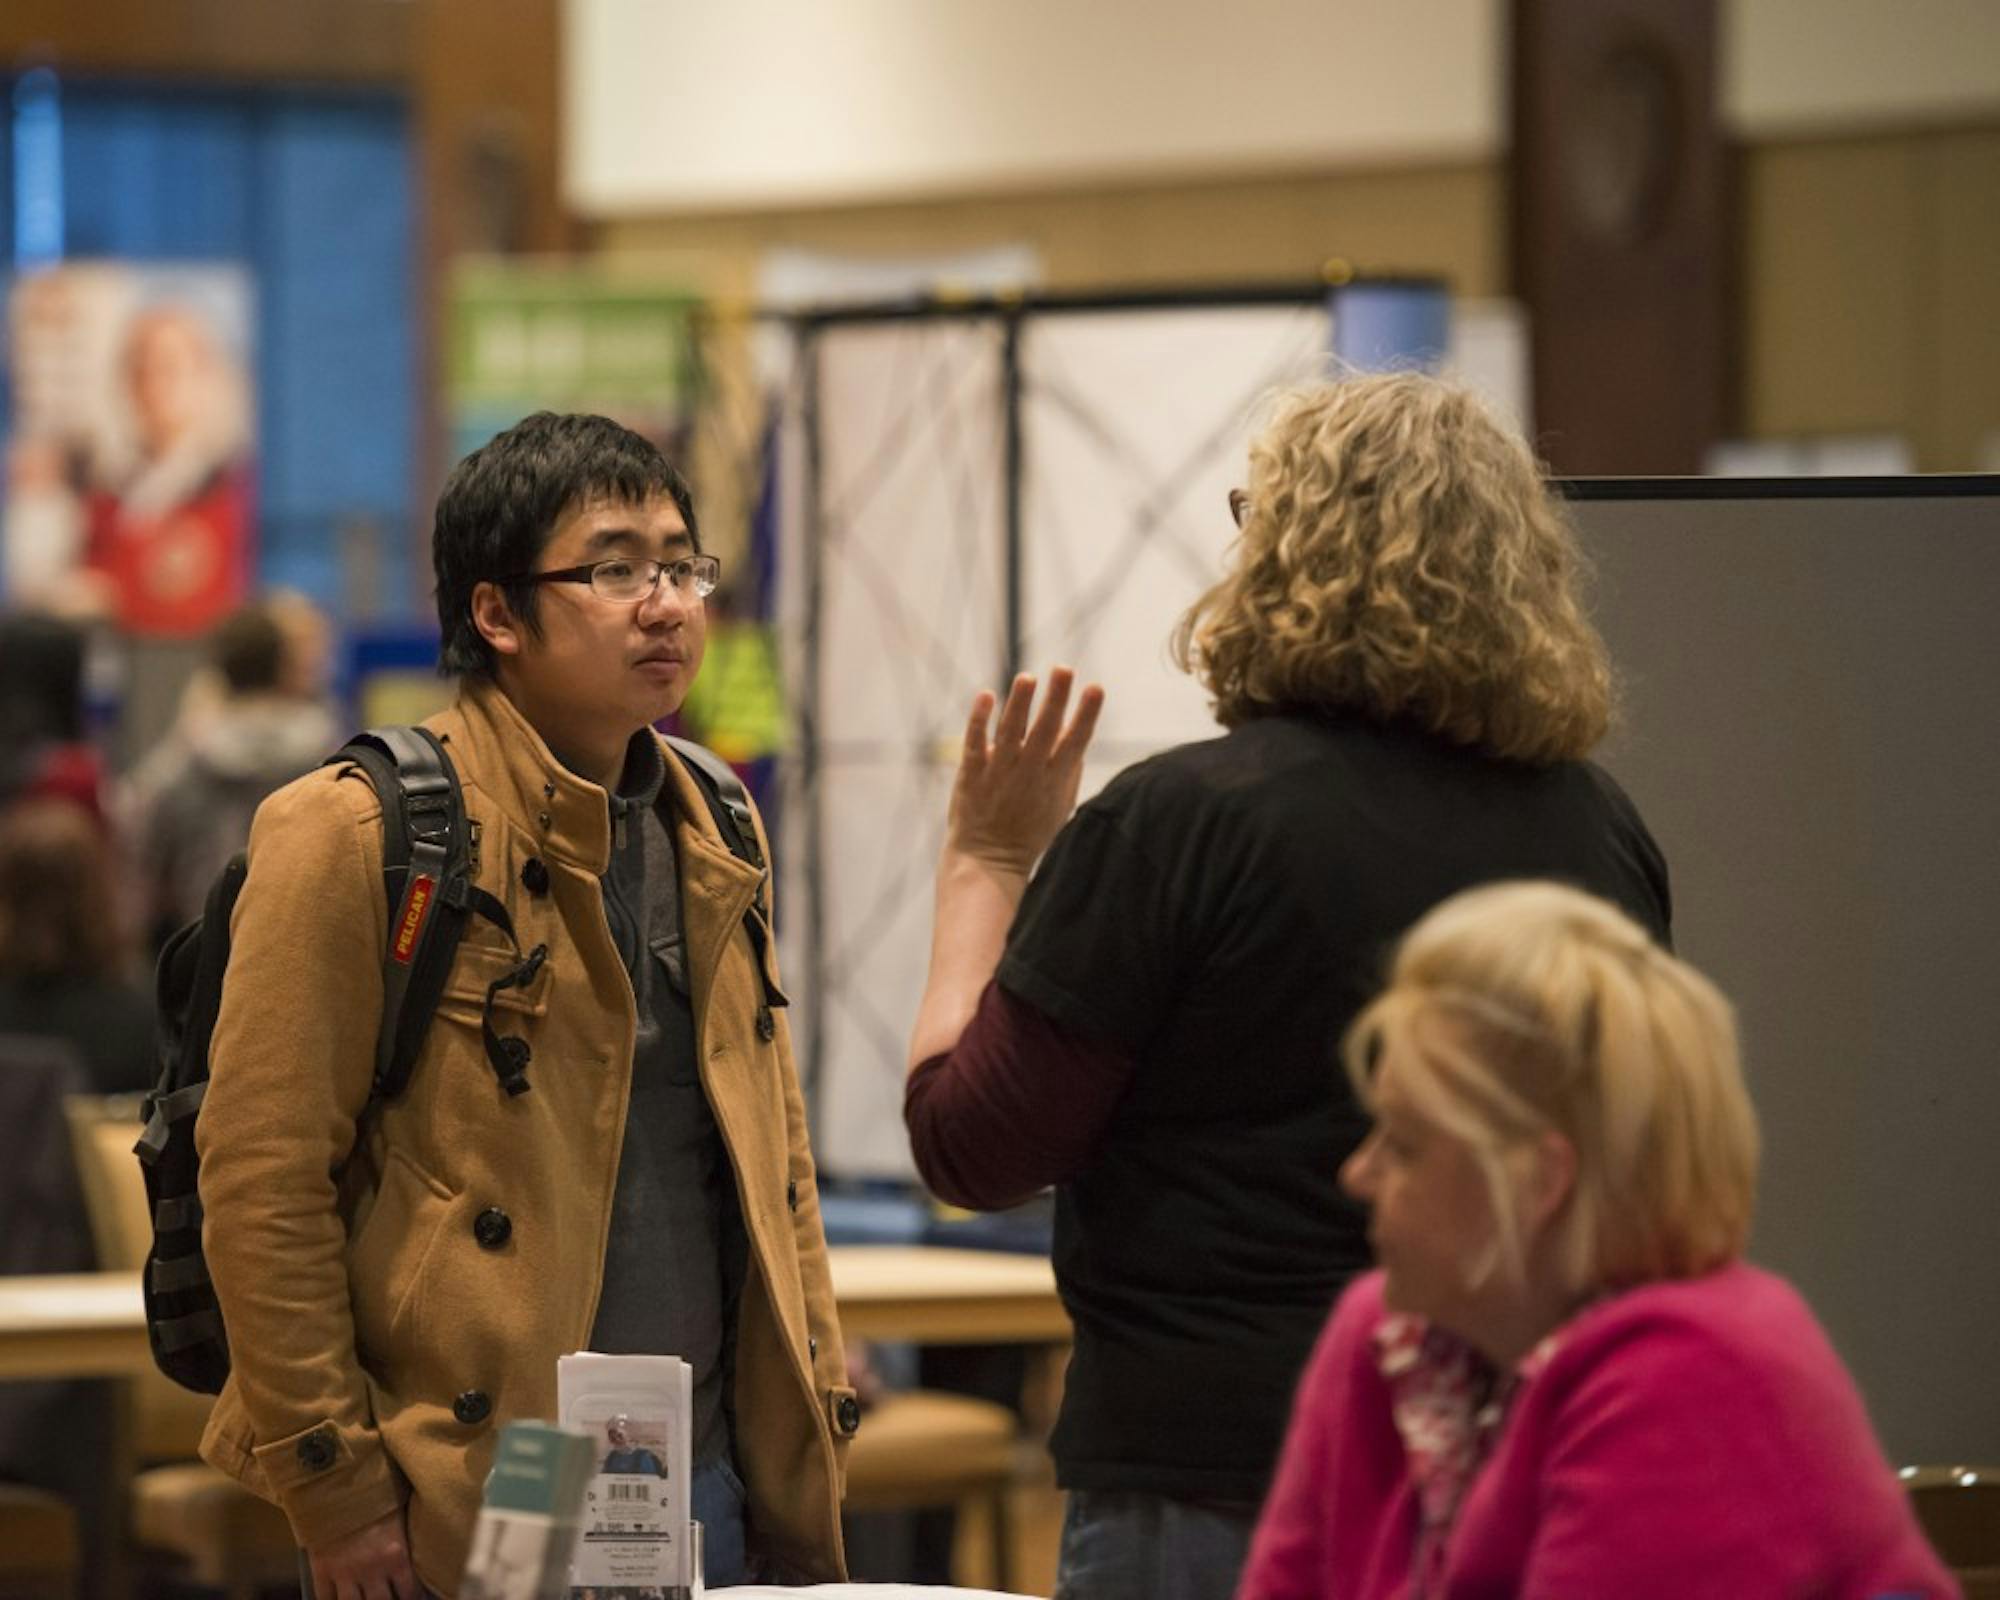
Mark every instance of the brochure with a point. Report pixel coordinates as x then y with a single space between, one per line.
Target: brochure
528 1519
633 1538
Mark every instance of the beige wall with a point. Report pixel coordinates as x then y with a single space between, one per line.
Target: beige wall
689 104
1869 266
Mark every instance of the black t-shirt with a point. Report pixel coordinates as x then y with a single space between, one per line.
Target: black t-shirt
108 1022
1221 912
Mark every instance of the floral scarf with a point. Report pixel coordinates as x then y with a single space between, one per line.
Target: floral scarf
1449 1403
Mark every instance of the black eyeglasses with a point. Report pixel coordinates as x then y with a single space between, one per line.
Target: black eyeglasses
634 578
1239 505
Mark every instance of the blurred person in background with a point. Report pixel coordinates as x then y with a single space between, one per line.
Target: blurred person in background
1565 1380
44 749
252 721
1410 686
64 963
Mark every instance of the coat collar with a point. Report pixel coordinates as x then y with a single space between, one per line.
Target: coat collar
503 755
571 816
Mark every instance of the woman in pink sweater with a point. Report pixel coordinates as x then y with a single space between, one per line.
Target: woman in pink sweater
1564 1383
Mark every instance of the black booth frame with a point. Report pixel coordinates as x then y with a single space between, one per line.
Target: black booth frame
1010 311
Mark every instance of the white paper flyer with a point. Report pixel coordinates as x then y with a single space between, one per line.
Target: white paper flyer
633 1539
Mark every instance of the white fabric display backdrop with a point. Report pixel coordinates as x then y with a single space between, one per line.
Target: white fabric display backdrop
905 623
1135 427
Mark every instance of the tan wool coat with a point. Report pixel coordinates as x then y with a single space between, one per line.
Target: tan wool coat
379 1338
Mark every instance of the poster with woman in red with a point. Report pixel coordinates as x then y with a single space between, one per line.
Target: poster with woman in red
131 483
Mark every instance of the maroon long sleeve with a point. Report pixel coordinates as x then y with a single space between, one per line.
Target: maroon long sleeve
1017 1104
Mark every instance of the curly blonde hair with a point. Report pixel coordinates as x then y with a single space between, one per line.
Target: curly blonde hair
1401 556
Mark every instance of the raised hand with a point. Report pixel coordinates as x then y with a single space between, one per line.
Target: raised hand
1017 784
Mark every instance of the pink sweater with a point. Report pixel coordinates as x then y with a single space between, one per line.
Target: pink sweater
1686 1440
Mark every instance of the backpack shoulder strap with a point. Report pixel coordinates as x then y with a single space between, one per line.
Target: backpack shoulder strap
727 801
426 852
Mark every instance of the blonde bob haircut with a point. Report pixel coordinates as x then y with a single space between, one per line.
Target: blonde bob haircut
1521 1008
1401 556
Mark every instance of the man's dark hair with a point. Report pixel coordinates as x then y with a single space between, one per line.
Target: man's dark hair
501 504
248 649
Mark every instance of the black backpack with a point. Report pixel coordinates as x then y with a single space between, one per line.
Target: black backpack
429 853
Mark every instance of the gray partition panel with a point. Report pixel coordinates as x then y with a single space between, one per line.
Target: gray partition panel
1812 729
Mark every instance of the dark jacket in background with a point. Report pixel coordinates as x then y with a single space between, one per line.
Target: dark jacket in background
56 1435
189 804
107 1022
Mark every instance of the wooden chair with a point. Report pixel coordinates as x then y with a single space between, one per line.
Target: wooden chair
222 1535
39 1553
1959 1508
921 1448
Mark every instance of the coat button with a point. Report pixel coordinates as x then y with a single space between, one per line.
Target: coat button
317 1450
534 876
492 1228
767 1025
792 1194
848 1413
472 1407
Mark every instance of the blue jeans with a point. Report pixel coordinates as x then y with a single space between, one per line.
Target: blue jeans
1124 1546
715 1500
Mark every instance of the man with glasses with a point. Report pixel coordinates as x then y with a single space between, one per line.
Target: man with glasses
399 1279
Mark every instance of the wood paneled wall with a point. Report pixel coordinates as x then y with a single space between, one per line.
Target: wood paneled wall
1867 268
298 41
1870 277
1436 219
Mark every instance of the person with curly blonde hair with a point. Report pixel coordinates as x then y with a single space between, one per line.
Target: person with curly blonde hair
1565 1379
1409 685
1402 557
